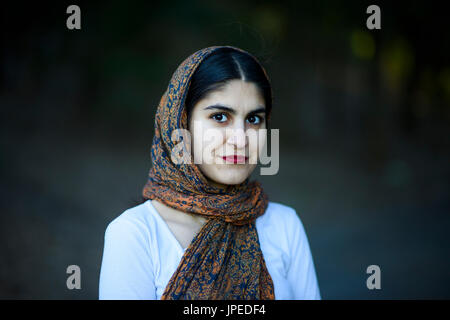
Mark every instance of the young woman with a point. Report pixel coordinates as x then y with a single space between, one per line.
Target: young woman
204 231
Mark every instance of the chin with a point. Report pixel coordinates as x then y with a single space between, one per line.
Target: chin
229 176
230 180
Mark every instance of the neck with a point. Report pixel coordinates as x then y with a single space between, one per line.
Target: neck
176 215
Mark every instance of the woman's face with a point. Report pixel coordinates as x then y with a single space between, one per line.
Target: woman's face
223 126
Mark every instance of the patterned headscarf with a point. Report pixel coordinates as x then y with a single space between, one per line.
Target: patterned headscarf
224 261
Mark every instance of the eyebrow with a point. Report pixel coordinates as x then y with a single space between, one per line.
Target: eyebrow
232 111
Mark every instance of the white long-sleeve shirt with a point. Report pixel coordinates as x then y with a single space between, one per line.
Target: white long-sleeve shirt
141 254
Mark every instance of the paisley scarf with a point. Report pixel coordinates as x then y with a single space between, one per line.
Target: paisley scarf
224 261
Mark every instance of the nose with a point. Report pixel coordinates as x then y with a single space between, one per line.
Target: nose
237 137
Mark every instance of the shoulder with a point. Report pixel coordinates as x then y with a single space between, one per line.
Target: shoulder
127 269
279 208
279 214
281 221
131 223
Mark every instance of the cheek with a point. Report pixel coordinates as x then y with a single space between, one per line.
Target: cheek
260 148
212 139
207 143
256 145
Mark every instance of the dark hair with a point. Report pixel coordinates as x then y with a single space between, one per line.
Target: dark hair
223 65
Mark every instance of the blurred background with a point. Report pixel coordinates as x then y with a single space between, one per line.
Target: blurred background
363 116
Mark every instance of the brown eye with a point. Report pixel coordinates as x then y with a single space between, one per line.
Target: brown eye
219 117
253 119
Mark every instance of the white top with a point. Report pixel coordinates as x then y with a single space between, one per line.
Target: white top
141 254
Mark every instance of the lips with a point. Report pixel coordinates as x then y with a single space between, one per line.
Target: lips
235 159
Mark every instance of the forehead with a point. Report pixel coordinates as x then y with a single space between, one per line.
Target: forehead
237 94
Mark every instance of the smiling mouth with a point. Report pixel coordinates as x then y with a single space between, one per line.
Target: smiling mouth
235 159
